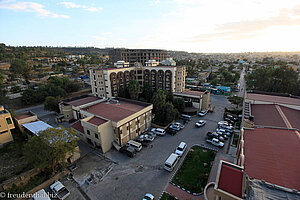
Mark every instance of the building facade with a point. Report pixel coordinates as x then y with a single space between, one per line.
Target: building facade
113 121
137 55
107 82
6 124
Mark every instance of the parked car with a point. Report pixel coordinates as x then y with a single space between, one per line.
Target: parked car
231 117
223 131
202 113
181 148
152 134
177 125
174 127
60 190
185 117
158 131
211 135
200 123
129 151
215 142
146 138
171 131
41 195
148 196
223 123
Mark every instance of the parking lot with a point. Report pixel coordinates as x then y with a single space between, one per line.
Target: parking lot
131 178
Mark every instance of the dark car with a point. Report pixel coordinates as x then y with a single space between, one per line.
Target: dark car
129 151
171 131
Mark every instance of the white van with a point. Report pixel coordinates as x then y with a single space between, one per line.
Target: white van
159 131
171 162
136 145
41 195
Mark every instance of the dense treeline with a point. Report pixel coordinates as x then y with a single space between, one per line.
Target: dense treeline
270 79
166 108
55 87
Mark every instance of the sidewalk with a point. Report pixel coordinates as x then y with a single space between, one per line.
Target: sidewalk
180 194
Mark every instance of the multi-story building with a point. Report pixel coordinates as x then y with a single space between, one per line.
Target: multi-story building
112 121
137 55
107 82
6 124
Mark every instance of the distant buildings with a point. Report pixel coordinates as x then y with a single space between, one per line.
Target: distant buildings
136 55
106 82
6 124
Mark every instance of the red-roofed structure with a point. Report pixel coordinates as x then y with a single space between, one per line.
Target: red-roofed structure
114 111
272 155
97 121
82 101
272 99
230 180
77 126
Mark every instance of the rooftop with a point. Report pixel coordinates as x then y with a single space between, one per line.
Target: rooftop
231 179
24 115
97 121
36 127
271 155
82 101
273 99
77 126
116 111
191 92
282 116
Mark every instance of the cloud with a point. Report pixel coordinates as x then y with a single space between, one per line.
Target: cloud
250 28
73 5
30 7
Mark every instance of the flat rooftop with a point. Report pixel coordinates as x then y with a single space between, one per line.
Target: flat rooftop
97 121
24 115
190 92
116 111
77 126
231 179
82 101
273 155
273 99
275 115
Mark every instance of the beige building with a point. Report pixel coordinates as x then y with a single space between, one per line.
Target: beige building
113 121
106 82
199 100
25 118
6 124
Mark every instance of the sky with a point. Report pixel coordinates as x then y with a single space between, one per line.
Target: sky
202 26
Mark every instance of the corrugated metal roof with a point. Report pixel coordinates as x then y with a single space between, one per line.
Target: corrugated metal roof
36 127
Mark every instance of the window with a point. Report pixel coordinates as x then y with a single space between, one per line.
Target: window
8 120
96 135
95 89
88 132
94 77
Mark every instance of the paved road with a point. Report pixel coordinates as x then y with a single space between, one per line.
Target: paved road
133 177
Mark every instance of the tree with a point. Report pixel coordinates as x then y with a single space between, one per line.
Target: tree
51 104
20 68
147 92
50 147
134 89
179 104
169 96
170 112
159 102
2 90
238 101
214 81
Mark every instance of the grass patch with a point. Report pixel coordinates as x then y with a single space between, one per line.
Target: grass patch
12 161
194 172
167 196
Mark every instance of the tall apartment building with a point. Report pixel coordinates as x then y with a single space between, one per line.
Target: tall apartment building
6 124
137 55
106 82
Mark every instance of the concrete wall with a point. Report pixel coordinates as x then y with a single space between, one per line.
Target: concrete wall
106 133
205 101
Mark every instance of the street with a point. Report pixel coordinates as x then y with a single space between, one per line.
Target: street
131 178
